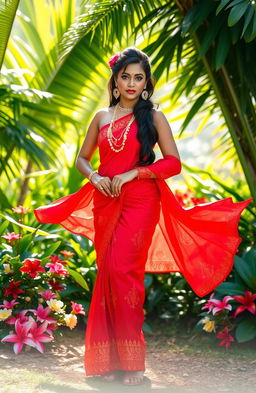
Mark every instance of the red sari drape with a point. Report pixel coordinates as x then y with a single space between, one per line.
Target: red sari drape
143 230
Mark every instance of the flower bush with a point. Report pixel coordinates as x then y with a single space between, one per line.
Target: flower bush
30 289
233 316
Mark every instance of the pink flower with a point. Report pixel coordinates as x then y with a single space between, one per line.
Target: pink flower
51 327
57 268
77 308
42 313
225 337
13 289
220 305
20 209
209 305
20 316
48 294
10 304
11 236
21 336
36 335
247 302
113 59
32 267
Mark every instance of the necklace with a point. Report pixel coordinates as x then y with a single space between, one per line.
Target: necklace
124 109
111 139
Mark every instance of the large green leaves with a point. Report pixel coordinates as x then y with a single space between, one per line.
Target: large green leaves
8 10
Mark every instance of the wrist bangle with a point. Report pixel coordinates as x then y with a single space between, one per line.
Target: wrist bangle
90 176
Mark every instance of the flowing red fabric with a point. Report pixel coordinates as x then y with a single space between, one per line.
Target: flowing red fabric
144 229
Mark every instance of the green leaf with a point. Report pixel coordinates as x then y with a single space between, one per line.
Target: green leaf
222 47
146 328
222 5
230 288
245 272
30 229
148 280
78 278
246 330
51 249
248 16
236 13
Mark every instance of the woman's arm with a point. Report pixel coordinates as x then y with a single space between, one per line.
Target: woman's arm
170 164
86 152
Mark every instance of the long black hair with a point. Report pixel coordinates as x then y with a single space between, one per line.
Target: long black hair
147 133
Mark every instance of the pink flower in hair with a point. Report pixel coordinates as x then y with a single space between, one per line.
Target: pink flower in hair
113 59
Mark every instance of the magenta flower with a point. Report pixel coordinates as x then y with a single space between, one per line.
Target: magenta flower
21 336
209 305
219 305
10 304
19 316
42 313
247 302
51 327
77 308
36 335
57 268
48 294
225 337
113 59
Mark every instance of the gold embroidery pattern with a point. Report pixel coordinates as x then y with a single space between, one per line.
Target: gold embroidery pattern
104 356
117 126
144 173
133 297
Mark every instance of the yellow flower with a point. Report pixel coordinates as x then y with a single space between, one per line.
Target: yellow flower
7 268
5 313
55 305
209 325
71 320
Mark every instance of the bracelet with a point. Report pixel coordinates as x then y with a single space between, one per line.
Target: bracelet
92 173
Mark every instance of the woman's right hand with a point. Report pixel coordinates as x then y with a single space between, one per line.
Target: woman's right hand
103 183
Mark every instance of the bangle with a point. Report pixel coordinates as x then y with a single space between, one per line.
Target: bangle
90 176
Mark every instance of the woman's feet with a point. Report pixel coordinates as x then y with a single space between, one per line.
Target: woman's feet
109 377
133 377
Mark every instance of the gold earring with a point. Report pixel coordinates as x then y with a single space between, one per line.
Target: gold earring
144 94
116 92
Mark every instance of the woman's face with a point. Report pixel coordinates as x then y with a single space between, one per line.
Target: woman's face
132 81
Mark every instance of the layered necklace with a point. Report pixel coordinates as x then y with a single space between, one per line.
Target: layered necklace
111 138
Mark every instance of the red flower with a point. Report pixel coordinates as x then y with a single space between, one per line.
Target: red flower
67 253
225 337
11 236
113 59
20 209
13 289
77 308
55 285
55 259
32 267
247 302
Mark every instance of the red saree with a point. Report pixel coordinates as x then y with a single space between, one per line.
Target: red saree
143 230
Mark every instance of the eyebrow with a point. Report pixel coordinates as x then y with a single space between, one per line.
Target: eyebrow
129 74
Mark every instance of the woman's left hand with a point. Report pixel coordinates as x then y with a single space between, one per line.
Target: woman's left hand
119 180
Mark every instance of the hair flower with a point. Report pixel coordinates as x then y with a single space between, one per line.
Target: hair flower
113 59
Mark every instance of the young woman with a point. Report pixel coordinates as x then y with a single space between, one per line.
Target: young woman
135 222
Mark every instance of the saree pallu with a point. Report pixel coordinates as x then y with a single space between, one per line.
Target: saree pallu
144 229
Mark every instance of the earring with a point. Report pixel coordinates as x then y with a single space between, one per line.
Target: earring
116 92
144 94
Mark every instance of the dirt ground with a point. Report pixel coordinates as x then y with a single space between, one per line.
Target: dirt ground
174 364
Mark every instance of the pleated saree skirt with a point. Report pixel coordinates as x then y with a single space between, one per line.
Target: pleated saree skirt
114 338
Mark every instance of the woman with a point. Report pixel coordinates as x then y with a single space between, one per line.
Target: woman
135 222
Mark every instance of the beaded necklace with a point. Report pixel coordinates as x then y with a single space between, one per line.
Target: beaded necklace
113 140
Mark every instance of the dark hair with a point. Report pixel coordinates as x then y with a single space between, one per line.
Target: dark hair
147 133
